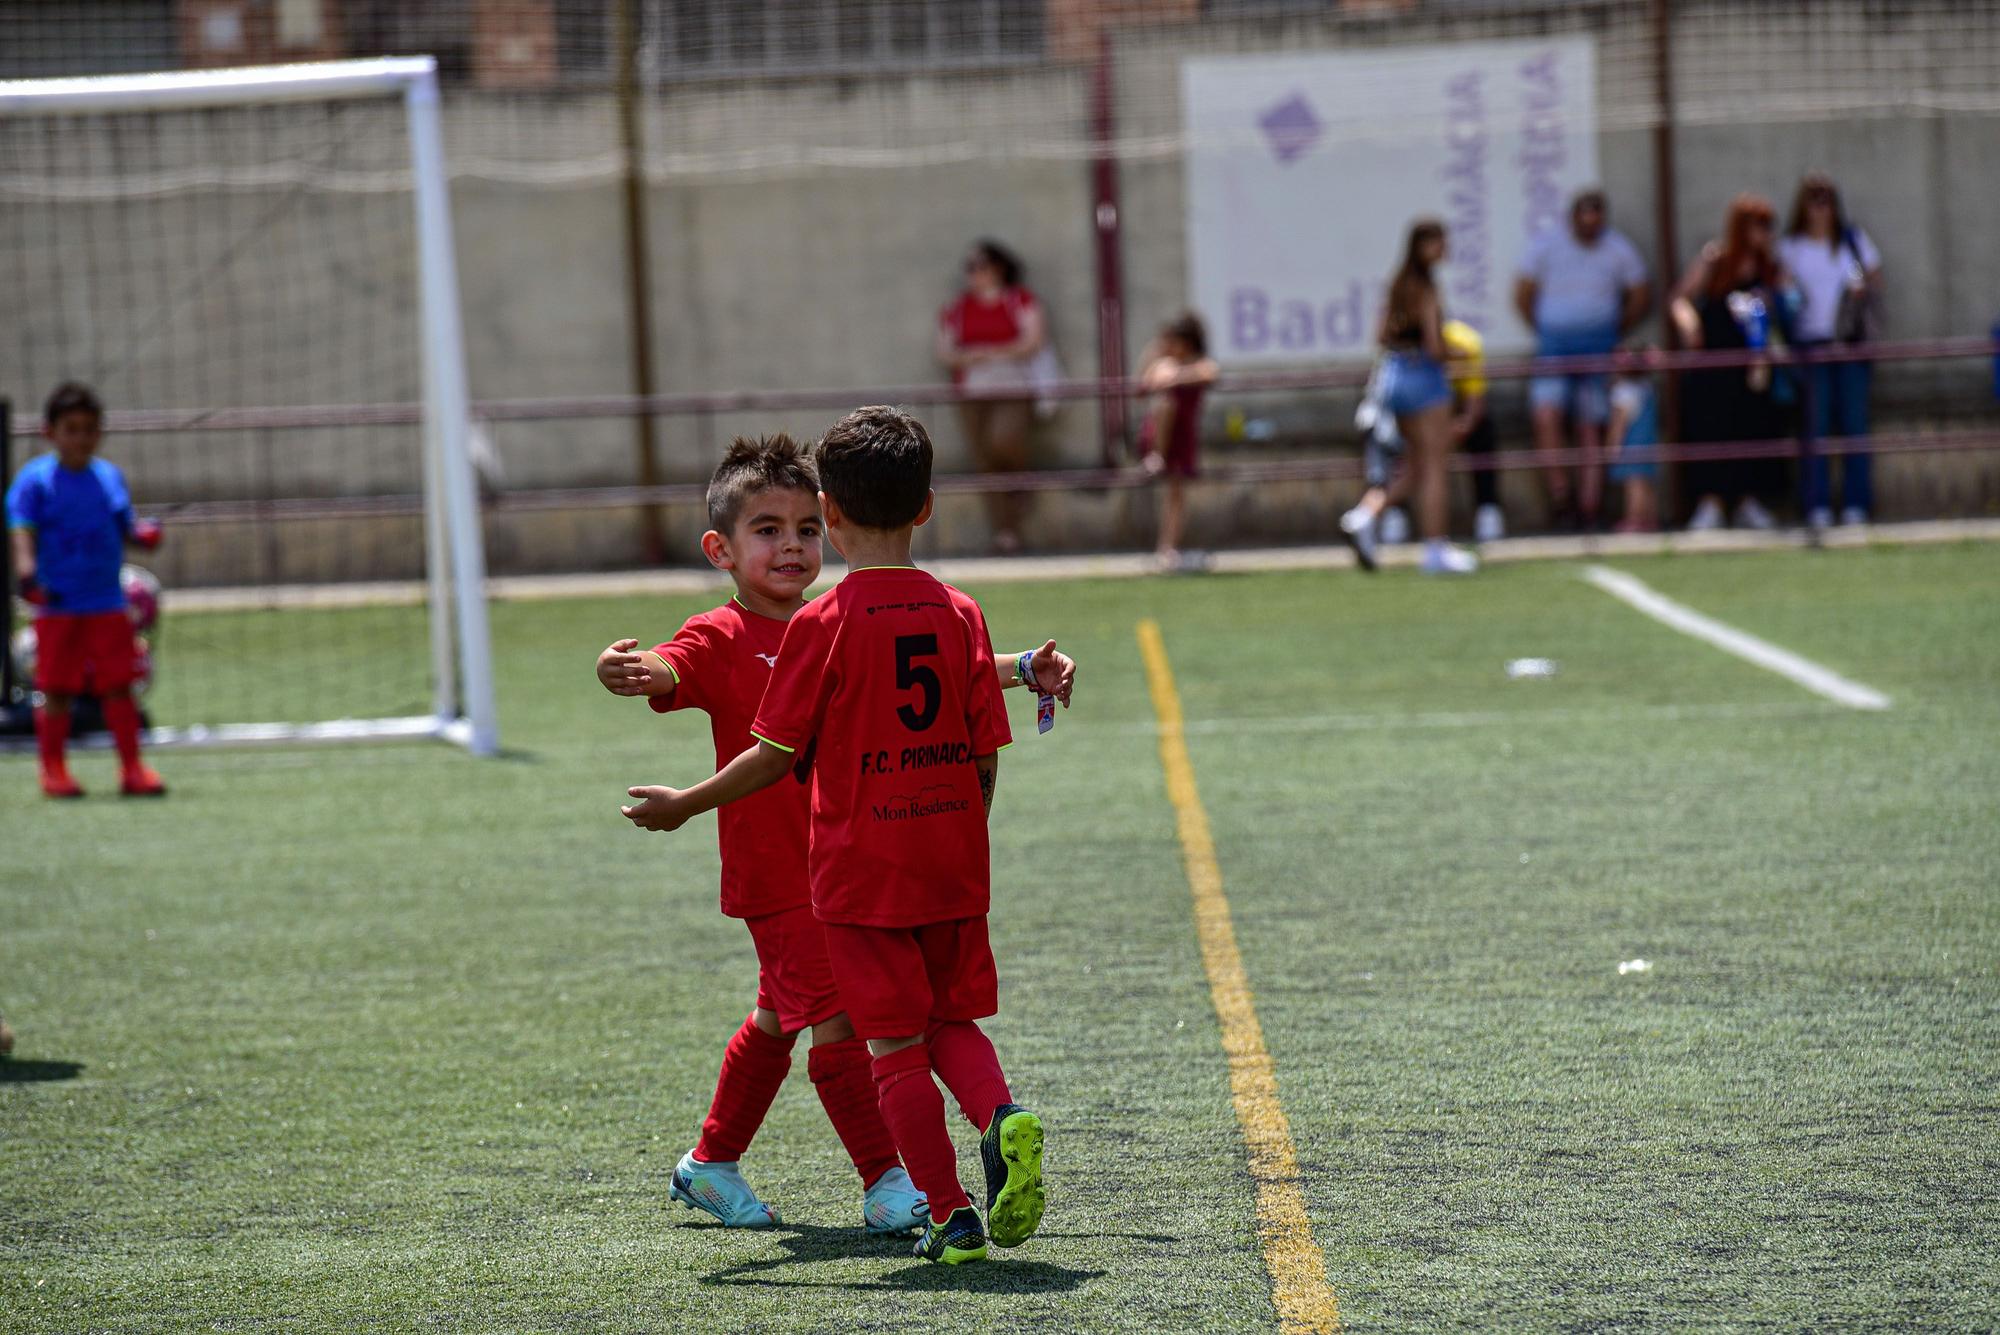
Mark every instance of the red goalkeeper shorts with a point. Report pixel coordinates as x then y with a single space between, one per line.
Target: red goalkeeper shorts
794 979
93 653
897 981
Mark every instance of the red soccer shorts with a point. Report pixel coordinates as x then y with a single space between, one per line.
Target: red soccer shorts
794 979
93 652
897 981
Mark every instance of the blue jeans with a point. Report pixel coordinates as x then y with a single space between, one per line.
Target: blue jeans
1412 382
1583 397
1837 405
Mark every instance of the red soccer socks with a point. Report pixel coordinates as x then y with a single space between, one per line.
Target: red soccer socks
51 738
753 1066
964 1059
843 1077
121 717
914 1110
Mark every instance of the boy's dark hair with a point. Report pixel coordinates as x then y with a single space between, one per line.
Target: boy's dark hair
1188 328
71 397
876 465
752 466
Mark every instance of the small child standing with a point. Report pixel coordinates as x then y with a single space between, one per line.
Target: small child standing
766 534
1177 372
1634 424
69 517
889 682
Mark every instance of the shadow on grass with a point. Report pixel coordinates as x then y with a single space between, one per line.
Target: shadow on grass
813 1244
13 1072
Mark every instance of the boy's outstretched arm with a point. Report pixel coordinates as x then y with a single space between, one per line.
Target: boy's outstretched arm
624 671
989 777
1049 672
757 768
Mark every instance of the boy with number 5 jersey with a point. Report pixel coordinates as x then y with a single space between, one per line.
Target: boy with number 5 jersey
890 681
766 533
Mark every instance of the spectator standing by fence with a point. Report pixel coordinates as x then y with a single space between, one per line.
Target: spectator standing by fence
988 337
1581 288
1838 274
1413 386
1730 297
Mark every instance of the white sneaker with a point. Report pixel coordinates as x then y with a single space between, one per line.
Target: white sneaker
1750 514
1819 517
1395 528
1357 526
1854 514
1441 558
894 1205
1707 516
1489 524
719 1189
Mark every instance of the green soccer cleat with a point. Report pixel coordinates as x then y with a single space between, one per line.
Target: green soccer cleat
1011 1150
719 1189
954 1242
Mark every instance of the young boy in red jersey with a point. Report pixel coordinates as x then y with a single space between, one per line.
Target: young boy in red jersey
69 517
889 682
766 533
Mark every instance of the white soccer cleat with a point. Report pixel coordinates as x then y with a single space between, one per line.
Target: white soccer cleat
1358 527
894 1205
1752 515
1441 558
1707 517
719 1189
1854 515
1489 524
1819 517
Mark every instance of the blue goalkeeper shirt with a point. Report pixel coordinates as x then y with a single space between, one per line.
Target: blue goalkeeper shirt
80 518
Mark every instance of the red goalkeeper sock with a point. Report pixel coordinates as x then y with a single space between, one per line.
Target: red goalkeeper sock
121 716
964 1059
845 1083
753 1066
914 1110
51 737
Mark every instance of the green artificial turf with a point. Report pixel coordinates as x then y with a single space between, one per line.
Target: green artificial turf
389 1038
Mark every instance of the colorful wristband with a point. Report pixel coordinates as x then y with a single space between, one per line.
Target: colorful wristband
1024 670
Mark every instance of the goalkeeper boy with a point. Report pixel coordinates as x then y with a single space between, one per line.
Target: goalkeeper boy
766 532
69 518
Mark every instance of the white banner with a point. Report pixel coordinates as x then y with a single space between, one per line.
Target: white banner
1305 171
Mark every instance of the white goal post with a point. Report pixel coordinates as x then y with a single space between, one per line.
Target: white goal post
460 646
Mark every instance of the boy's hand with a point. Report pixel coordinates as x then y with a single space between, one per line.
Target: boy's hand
1154 463
1054 673
146 533
656 809
624 672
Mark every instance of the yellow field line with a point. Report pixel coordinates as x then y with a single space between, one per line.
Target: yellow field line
1299 1286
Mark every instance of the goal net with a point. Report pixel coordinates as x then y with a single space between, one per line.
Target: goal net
254 270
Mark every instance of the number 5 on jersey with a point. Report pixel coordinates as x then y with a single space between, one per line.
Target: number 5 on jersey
912 675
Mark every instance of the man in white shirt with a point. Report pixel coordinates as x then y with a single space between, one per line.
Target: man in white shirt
1580 288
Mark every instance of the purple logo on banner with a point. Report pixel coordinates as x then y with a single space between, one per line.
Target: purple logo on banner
1291 128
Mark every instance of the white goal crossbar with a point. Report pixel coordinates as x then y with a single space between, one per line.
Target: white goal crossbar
454 548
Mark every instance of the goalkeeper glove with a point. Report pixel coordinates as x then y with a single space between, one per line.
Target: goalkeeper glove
146 533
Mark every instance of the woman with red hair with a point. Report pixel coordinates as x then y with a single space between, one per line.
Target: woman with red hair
1730 298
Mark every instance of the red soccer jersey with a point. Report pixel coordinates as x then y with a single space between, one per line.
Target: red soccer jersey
892 672
721 662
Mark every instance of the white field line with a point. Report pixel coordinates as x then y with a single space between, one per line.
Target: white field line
1464 718
1819 680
